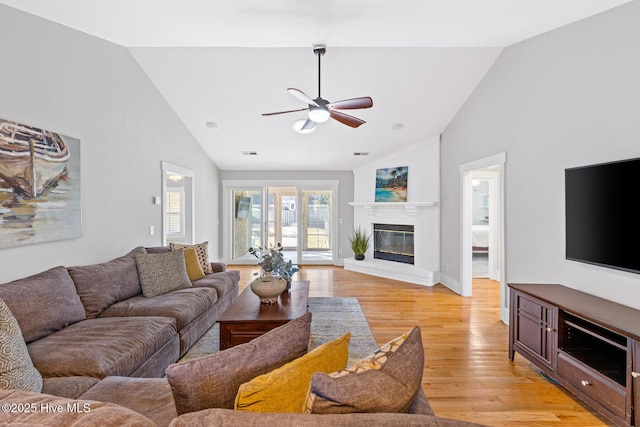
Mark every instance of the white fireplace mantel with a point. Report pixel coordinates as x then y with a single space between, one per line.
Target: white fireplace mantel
410 207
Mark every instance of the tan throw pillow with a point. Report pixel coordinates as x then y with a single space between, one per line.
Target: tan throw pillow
16 368
213 381
285 389
194 269
386 381
202 249
162 273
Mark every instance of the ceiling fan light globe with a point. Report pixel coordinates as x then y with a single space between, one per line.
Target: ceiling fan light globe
319 115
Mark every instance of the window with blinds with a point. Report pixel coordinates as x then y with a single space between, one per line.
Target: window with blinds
174 213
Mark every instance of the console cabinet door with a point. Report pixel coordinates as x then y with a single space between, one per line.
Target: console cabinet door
534 332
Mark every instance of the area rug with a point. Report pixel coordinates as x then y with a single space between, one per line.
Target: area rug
332 317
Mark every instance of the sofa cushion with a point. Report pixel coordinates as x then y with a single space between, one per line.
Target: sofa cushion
150 397
387 381
118 346
43 303
194 269
100 285
202 249
213 381
162 273
224 282
16 368
74 413
285 388
69 387
183 305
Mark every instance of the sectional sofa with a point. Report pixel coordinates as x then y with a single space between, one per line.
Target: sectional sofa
106 350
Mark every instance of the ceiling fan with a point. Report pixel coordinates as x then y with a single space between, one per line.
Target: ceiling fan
320 110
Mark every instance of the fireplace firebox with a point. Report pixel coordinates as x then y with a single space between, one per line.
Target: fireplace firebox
393 242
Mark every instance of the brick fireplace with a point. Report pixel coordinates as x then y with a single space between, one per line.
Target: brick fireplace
421 213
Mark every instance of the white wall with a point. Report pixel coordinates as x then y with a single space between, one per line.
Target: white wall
423 186
62 80
566 98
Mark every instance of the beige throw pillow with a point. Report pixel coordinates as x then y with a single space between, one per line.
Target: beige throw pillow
162 273
16 368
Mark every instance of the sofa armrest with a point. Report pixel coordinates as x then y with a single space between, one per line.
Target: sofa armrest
218 267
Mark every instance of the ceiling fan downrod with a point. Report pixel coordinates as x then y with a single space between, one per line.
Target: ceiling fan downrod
319 50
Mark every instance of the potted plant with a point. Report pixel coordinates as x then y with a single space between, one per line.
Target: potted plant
272 262
359 243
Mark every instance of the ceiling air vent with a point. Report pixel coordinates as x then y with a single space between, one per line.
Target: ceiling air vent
249 153
360 153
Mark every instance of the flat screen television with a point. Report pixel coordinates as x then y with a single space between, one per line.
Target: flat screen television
602 215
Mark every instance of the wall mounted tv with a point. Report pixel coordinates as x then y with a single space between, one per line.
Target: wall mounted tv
602 216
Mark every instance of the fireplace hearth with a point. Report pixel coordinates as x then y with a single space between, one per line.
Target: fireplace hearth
393 242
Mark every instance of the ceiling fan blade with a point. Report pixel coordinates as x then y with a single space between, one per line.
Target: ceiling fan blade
351 104
283 112
301 96
348 120
309 125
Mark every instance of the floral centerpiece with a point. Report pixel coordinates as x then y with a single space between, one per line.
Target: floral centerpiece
272 262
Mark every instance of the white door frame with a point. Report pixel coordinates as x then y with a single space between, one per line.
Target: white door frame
466 204
233 184
190 211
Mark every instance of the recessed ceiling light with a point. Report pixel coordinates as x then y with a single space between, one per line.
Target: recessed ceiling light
249 153
361 153
398 126
211 125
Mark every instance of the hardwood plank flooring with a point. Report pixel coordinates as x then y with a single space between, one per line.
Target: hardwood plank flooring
467 374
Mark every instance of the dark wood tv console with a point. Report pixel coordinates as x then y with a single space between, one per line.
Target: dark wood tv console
589 345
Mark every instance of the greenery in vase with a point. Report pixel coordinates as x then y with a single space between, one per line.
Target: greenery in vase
359 241
272 261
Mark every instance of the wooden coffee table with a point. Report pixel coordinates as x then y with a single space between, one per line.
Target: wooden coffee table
247 318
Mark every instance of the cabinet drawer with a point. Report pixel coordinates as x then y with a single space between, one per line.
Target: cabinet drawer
589 382
530 307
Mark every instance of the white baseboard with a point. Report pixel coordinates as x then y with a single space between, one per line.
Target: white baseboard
454 285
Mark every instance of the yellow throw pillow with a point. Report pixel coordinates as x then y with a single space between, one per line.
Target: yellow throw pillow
285 389
194 269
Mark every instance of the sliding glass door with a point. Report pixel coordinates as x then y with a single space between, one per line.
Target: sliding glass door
299 217
317 225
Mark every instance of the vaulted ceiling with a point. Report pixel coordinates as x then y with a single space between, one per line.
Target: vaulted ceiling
220 65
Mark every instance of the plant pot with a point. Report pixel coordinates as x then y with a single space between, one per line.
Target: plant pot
268 288
358 257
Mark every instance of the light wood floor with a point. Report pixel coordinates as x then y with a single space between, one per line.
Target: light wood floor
467 374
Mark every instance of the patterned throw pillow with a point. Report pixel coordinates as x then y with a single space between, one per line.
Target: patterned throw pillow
386 381
162 273
202 249
16 368
285 389
194 269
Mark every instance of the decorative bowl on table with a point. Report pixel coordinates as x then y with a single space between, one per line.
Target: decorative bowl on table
268 288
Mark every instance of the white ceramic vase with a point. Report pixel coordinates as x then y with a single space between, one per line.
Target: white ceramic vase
268 288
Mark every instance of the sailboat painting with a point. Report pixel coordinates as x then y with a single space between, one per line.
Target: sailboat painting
39 185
